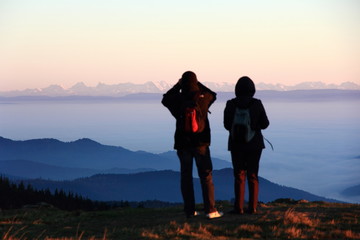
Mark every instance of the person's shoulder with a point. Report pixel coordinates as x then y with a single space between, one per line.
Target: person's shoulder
256 101
231 102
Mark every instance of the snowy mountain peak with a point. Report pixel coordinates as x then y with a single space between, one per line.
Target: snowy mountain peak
122 89
162 85
79 85
53 90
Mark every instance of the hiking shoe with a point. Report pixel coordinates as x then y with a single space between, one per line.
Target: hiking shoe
214 215
195 214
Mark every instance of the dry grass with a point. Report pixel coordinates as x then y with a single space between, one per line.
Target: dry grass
275 221
298 218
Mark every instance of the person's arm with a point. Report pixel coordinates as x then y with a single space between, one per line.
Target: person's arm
212 94
228 115
171 99
263 119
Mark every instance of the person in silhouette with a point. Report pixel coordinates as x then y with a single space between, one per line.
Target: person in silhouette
245 150
192 139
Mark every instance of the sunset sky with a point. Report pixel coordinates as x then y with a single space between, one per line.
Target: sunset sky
44 42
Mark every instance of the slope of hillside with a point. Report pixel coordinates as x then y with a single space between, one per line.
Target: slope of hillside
352 193
163 186
29 169
86 153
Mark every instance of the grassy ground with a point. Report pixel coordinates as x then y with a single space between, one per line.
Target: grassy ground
275 221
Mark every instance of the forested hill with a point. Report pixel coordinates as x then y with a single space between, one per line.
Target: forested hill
164 186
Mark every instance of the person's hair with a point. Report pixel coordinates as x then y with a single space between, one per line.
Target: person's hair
245 87
189 82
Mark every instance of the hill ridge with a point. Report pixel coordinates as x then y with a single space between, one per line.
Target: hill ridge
87 153
81 155
163 185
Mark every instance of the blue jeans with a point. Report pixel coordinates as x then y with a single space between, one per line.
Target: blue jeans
204 167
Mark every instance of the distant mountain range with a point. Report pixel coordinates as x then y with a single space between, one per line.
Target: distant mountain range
123 89
53 159
32 170
352 191
163 186
266 95
109 173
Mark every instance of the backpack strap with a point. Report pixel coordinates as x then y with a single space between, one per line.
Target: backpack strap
269 143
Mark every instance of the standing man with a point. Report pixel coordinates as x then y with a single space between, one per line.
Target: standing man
189 101
244 118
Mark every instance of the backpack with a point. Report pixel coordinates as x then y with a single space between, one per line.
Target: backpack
241 128
193 120
190 120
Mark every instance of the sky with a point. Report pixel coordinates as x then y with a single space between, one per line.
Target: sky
45 42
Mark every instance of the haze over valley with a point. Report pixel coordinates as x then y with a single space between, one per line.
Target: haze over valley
315 134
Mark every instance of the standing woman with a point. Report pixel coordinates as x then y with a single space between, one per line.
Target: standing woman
192 143
245 145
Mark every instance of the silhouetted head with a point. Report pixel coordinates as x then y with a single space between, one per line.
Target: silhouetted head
189 82
245 87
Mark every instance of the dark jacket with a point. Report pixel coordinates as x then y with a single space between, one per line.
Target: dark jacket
244 91
174 100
